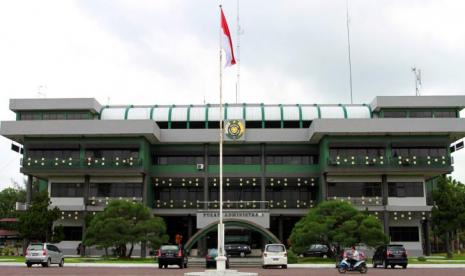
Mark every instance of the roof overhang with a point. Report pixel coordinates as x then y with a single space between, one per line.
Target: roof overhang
89 104
381 102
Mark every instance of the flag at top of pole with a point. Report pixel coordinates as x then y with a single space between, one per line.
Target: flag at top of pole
226 42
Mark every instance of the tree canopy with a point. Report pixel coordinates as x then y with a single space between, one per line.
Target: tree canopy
123 223
448 214
36 223
336 223
8 199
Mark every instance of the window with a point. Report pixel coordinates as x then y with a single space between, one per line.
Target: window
291 159
30 116
394 114
78 116
53 153
354 189
334 152
72 233
404 234
253 124
66 190
116 189
112 154
421 114
236 160
445 114
405 189
419 151
178 160
54 116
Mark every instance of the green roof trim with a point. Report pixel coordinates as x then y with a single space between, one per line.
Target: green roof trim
301 125
262 107
151 111
319 110
244 111
370 110
344 109
225 111
206 115
126 111
281 110
101 111
170 111
188 125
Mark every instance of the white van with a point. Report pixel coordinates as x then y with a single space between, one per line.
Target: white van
274 255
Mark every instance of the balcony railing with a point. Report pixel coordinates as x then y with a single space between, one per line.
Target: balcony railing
383 161
104 201
73 163
360 201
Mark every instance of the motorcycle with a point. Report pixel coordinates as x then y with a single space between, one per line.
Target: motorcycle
359 266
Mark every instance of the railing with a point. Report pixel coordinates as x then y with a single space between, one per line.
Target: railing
382 161
104 201
70 162
227 204
360 201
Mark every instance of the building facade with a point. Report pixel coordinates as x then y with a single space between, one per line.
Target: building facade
383 157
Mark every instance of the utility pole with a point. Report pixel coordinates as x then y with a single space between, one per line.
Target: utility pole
417 73
348 46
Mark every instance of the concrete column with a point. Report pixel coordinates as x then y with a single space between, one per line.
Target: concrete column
145 185
323 187
384 190
205 173
386 222
29 189
85 196
280 228
262 173
426 225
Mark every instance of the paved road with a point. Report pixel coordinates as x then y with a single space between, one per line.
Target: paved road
100 271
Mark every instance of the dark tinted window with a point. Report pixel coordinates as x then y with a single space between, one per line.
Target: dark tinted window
178 160
72 233
406 189
235 160
67 190
291 159
405 234
354 189
445 114
30 116
116 189
395 114
419 151
421 114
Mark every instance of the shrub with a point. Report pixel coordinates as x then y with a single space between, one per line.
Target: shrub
421 259
291 257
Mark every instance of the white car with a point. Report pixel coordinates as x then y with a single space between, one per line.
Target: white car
274 255
44 254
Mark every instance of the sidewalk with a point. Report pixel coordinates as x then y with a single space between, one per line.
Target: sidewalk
315 266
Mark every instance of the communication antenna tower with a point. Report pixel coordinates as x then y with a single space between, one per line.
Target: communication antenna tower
417 73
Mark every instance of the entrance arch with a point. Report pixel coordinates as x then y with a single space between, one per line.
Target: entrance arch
231 222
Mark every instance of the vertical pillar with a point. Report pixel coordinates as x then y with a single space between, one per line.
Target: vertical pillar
323 187
145 186
262 174
29 190
280 228
384 190
205 173
190 226
85 195
426 225
386 222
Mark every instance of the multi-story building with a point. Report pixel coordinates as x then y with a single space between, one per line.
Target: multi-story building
383 157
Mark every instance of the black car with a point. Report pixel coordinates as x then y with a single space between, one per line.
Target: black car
237 249
171 255
390 255
318 250
210 259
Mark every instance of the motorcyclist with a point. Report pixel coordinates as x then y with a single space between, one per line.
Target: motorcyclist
353 257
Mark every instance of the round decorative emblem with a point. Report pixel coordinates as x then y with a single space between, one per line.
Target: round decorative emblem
234 129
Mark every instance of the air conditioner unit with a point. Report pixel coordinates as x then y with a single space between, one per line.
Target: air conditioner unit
200 167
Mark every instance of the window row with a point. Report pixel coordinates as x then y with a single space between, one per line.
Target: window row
115 190
237 160
112 154
404 234
419 151
354 189
248 124
334 153
55 116
52 154
419 114
67 190
406 189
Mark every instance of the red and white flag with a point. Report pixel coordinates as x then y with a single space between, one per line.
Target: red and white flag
226 42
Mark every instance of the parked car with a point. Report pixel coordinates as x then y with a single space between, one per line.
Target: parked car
44 254
237 249
390 255
274 255
170 254
210 259
319 250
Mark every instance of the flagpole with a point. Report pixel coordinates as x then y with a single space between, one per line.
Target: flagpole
221 265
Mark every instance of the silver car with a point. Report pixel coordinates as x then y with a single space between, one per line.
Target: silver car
44 254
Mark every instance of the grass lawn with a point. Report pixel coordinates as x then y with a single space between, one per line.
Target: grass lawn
150 260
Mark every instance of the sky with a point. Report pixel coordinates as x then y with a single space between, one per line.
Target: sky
167 52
